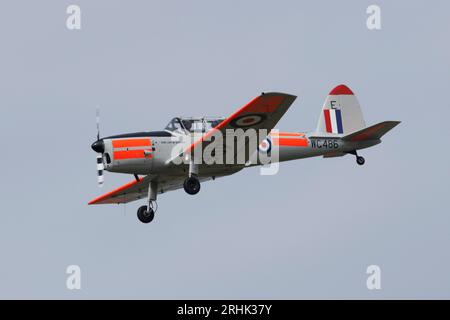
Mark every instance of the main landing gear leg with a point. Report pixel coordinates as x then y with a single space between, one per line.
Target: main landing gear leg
192 185
359 160
146 214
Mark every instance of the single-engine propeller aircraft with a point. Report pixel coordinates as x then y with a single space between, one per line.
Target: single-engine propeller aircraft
166 160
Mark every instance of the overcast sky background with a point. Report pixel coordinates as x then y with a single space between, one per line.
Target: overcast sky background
308 232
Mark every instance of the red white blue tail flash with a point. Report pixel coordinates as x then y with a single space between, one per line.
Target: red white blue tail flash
333 120
341 113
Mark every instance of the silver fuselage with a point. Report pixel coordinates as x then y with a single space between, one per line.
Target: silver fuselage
123 156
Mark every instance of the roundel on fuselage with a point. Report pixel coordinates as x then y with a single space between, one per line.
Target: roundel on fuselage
265 146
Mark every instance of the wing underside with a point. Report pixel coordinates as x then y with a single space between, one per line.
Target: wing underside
136 190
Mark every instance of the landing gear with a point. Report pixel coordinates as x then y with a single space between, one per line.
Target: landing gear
191 185
146 214
360 160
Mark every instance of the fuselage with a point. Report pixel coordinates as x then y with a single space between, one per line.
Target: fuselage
148 152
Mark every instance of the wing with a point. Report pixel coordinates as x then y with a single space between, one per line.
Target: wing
136 190
263 112
131 191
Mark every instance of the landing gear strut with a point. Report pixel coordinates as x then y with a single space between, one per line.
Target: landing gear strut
146 214
192 185
359 160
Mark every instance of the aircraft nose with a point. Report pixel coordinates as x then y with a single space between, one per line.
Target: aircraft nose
98 146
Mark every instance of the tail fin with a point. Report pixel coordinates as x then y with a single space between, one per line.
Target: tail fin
341 113
374 132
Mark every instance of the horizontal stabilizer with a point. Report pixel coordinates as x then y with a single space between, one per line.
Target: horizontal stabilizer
373 132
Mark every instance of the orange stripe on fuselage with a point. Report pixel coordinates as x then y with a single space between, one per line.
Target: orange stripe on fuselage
288 142
131 143
130 154
286 134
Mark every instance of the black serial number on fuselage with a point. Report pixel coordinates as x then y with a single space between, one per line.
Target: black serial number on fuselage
325 143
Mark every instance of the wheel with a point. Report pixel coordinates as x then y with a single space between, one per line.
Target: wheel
191 185
360 160
144 215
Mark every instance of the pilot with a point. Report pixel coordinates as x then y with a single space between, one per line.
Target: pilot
187 125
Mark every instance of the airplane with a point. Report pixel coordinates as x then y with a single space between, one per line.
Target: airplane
163 161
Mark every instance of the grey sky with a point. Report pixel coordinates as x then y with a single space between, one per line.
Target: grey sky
308 232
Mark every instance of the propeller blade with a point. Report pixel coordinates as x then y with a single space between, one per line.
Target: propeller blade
100 168
97 120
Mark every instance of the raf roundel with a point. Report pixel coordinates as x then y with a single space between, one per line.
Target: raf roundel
265 146
248 120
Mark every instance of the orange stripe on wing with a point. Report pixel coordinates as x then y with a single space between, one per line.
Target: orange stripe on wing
287 142
263 104
123 143
131 154
267 105
115 191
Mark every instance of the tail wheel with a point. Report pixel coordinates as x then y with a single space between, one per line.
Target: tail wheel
191 185
144 215
360 160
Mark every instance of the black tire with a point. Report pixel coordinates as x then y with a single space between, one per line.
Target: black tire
144 215
191 185
360 160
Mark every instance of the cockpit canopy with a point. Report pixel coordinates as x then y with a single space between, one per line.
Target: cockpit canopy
192 125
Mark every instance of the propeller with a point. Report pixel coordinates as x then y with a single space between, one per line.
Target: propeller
100 167
97 121
99 147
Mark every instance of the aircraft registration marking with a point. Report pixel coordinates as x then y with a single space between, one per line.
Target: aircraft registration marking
325 143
